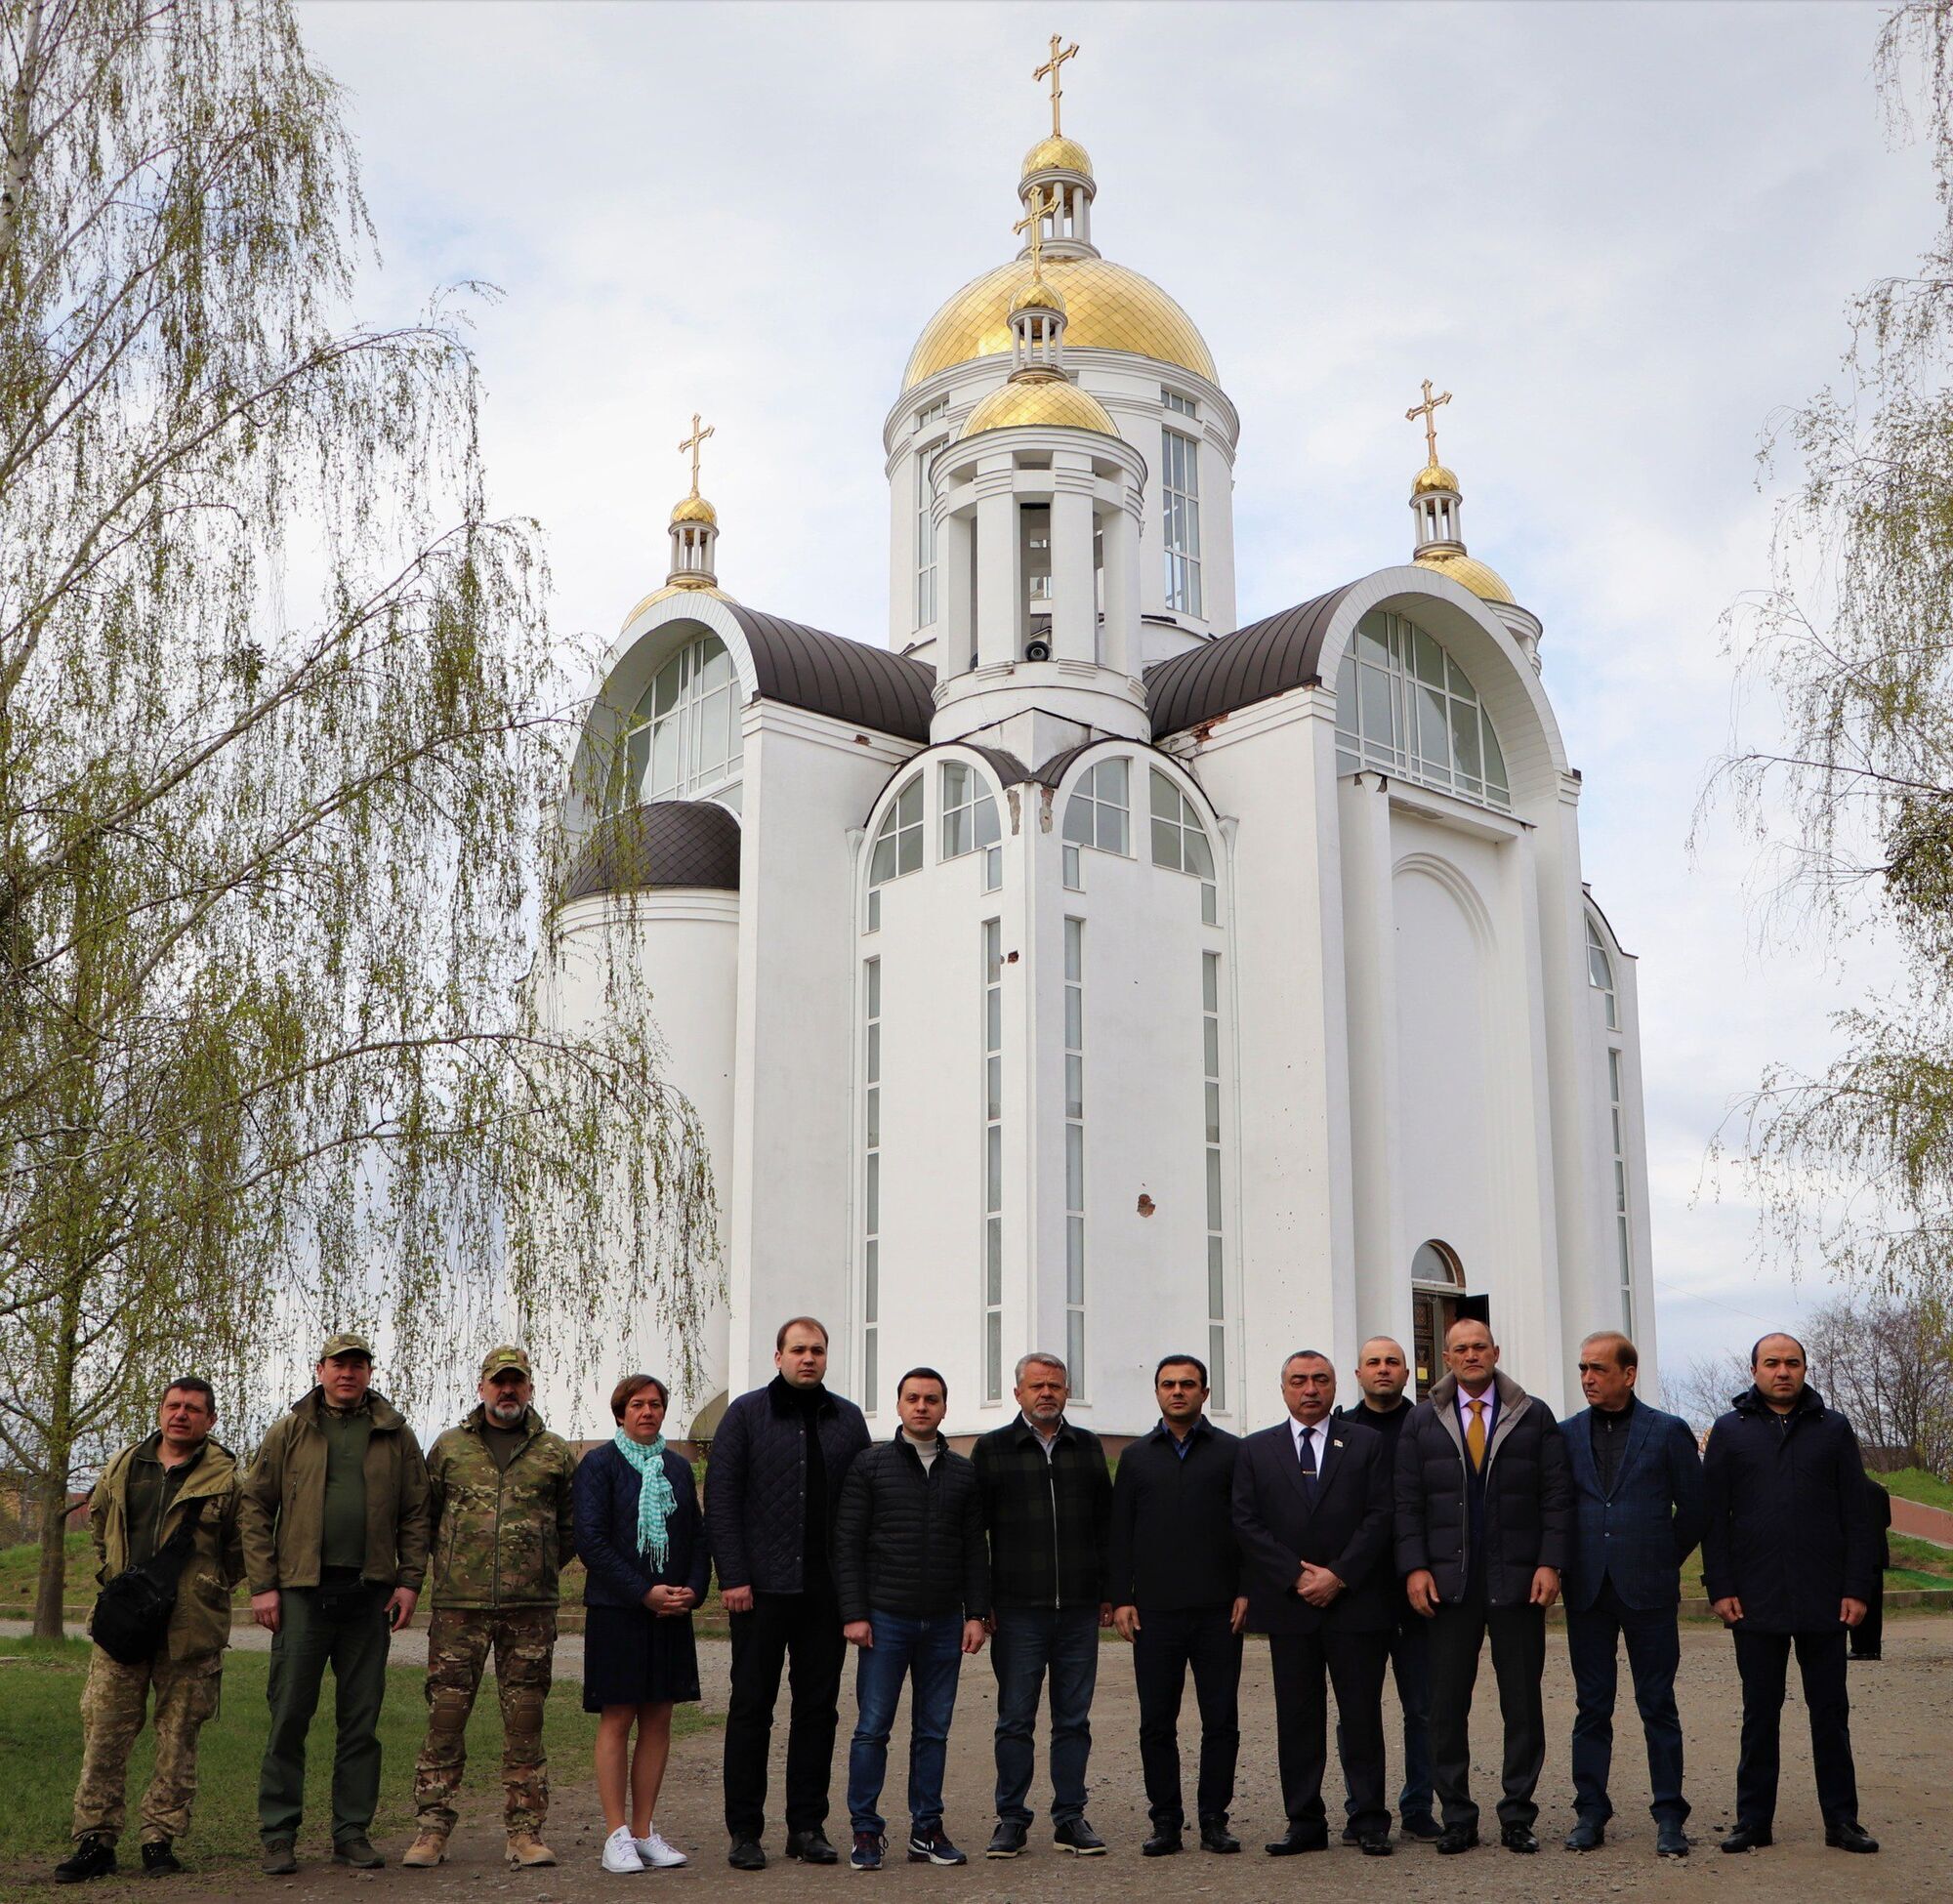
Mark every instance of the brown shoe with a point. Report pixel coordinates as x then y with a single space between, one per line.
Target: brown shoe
528 1851
428 1849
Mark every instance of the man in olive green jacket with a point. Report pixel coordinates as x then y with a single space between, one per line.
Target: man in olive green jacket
334 1518
502 1529
144 1495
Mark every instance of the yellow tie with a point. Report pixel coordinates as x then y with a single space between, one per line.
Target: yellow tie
1474 1436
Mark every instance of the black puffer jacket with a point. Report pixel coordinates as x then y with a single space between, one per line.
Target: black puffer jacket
756 1485
1790 1525
910 1542
1528 1514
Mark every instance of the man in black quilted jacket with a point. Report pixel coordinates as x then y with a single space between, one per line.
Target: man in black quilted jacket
914 1581
1484 1514
771 1489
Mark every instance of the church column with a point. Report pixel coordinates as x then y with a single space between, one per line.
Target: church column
1118 646
955 579
1074 608
999 583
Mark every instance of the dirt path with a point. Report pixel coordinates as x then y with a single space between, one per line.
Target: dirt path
1900 1713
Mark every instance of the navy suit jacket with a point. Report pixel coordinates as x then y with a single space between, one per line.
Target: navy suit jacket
1638 1534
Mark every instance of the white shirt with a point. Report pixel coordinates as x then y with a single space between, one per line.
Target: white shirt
1318 1436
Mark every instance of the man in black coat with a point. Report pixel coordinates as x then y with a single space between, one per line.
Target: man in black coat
1176 1594
1313 1514
1382 1375
771 1488
913 1578
1788 1562
1047 1507
1637 1516
1483 1512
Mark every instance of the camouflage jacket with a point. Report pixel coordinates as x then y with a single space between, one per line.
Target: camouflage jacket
201 1622
500 1535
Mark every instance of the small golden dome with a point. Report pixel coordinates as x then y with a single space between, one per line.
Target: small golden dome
1434 475
1465 571
1107 308
695 508
1052 403
1057 154
1037 295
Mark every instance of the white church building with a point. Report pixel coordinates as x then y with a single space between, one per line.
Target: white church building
1081 970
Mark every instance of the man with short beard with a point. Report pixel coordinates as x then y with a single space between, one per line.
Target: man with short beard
499 1485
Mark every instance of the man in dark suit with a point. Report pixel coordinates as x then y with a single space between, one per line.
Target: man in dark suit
1175 1577
1483 1512
1788 1562
1868 1635
1313 1514
1636 1516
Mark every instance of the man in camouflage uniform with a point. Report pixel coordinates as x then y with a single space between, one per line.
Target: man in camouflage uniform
501 1531
143 1496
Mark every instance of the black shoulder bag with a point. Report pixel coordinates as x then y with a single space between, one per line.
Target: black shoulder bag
132 1613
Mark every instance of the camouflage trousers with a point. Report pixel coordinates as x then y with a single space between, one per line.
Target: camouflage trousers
113 1705
459 1642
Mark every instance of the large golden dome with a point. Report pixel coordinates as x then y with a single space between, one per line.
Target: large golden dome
1107 308
1468 571
1049 400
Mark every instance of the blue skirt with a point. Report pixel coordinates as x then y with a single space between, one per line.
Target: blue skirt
631 1657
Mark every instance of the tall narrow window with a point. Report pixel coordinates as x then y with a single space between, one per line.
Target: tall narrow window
1623 1237
925 542
1600 975
1180 842
970 821
1075 1153
1179 486
1210 1048
993 1160
871 1183
683 737
898 847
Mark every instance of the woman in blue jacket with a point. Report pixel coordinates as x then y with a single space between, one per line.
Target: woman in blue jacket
644 1550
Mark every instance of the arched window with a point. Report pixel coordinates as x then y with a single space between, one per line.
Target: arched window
1180 840
1404 705
683 737
1437 1282
1099 814
1600 975
897 845
970 820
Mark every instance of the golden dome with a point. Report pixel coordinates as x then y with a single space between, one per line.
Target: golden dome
695 508
1036 294
675 588
1107 307
1466 570
1051 401
1434 476
1057 154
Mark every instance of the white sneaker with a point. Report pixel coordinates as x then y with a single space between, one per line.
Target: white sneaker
657 1853
620 1852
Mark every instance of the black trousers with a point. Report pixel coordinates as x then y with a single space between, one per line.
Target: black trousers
1869 1636
1165 1647
1762 1659
1519 1658
1354 1664
803 1633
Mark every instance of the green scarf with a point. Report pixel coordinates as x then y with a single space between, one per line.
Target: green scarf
656 1502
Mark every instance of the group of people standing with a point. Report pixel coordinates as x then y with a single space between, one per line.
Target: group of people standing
1382 1537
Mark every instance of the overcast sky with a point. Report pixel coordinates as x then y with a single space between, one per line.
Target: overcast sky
1622 236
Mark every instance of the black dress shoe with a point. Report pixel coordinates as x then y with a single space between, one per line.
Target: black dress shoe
159 1860
1376 1845
812 1847
1747 1837
93 1858
1352 1835
1517 1838
1454 1839
746 1855
1424 1828
1215 1837
1005 1841
1850 1838
1588 1835
1299 1839
1865 1656
1161 1844
1079 1838
1669 1841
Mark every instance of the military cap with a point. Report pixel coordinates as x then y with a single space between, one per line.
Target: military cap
347 1341
504 1356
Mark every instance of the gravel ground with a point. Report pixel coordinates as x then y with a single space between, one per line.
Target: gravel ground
1900 1713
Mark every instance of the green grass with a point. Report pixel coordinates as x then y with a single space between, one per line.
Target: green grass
40 1745
1916 1484
20 1572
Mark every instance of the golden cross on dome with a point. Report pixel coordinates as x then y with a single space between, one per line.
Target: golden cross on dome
1049 67
1032 223
691 443
1428 410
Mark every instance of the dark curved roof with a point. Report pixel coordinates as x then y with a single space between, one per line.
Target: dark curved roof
846 681
667 843
1252 664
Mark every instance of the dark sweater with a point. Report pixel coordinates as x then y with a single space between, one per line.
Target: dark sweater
1608 1428
1173 1529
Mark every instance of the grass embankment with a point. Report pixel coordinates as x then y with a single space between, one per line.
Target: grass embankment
40 1745
1916 1484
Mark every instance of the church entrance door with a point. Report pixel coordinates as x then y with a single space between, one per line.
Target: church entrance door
1437 1287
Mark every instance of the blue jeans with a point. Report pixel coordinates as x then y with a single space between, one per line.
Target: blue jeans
1409 1662
929 1654
1031 1641
1654 1651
